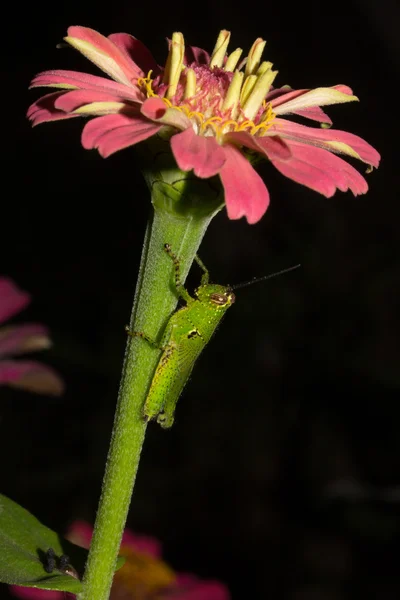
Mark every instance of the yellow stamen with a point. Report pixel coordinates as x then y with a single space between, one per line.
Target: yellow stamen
190 88
212 119
173 68
248 86
233 93
260 90
233 60
245 125
146 82
254 56
218 55
228 124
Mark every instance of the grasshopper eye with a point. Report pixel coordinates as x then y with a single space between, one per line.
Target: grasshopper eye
222 299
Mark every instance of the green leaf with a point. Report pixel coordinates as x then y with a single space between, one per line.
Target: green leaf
24 542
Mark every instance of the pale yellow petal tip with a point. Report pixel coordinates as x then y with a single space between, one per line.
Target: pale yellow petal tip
369 169
342 97
100 108
37 342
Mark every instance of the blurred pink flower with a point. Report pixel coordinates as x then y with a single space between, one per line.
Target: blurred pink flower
217 116
18 339
144 576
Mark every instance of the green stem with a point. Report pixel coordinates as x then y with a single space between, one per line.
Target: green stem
155 300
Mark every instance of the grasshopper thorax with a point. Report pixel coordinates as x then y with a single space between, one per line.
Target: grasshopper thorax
215 296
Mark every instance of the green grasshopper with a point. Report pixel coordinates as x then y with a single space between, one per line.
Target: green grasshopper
187 333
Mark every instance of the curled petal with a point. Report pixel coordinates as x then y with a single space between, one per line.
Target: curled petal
197 55
12 299
135 51
330 139
70 101
105 54
104 108
44 110
111 133
245 192
32 376
18 339
156 110
299 99
73 80
202 154
320 170
280 95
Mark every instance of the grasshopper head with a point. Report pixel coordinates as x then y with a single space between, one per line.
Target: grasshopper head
215 296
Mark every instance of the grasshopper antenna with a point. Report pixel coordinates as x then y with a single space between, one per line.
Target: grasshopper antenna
270 276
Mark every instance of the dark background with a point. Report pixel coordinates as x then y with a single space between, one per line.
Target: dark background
279 477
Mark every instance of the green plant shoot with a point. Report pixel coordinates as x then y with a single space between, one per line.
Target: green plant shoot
187 333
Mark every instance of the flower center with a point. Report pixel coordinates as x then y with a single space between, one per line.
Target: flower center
217 98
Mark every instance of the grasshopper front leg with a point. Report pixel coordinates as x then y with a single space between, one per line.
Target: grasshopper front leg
144 336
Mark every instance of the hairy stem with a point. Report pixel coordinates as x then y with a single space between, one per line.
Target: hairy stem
155 300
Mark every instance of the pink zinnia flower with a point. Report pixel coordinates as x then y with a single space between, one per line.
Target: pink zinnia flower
18 339
144 576
216 110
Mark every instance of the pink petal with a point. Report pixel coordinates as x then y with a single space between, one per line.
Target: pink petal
12 299
345 89
44 110
277 97
111 133
85 81
142 543
296 100
320 170
31 376
245 191
135 51
196 55
156 110
202 154
30 593
270 146
314 114
80 533
18 339
105 54
281 95
70 101
324 138
189 587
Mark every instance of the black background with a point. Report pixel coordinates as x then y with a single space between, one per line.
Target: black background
298 391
